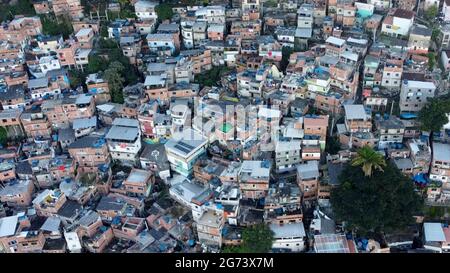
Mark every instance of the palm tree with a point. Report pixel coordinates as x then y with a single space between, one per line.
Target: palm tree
369 160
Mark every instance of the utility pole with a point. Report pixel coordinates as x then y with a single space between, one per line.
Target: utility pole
392 107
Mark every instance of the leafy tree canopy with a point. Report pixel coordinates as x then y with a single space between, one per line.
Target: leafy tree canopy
20 7
433 115
431 12
110 52
383 202
211 77
255 239
286 53
56 26
164 11
115 81
431 60
3 136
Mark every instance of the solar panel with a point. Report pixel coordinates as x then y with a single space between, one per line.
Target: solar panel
186 145
181 148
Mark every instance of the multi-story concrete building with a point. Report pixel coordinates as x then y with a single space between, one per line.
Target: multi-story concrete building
124 140
392 74
287 155
145 10
89 152
183 150
290 236
209 228
35 123
419 39
414 95
62 112
21 28
254 178
73 8
357 119
17 194
308 179
440 168
391 130
139 183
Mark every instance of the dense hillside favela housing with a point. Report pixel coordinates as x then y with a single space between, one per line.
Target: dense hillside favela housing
183 126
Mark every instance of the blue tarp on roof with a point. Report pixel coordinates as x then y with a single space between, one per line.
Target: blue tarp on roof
362 243
116 220
408 115
420 178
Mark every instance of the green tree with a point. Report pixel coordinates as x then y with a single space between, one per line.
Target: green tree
384 202
432 117
369 160
286 53
96 63
431 13
333 146
211 77
12 8
124 2
271 3
164 11
255 239
431 60
111 49
76 77
115 81
3 136
104 31
435 34
108 44
127 11
56 26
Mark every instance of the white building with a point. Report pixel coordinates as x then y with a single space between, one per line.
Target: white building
180 112
435 237
289 236
145 10
190 194
124 140
380 4
84 126
414 95
73 242
46 64
187 33
211 14
391 77
446 10
445 59
429 3
287 154
82 58
183 149
399 23
440 170
161 41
